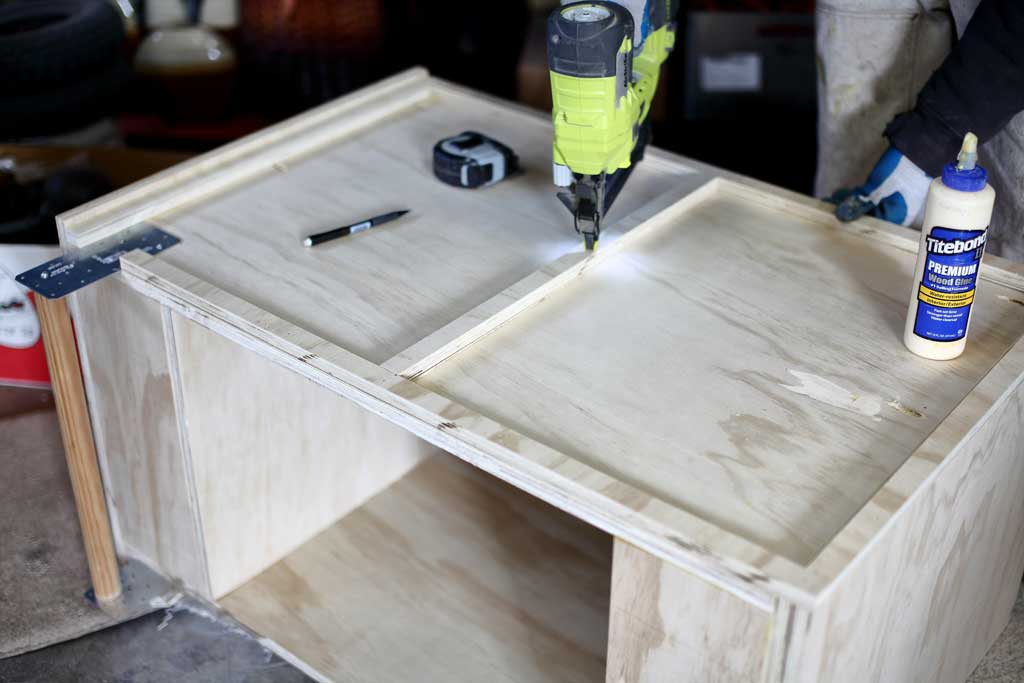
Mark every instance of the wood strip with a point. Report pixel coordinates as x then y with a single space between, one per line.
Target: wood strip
934 588
177 392
475 324
240 161
885 508
994 268
79 448
532 289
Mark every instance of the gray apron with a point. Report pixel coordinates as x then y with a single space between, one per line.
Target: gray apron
874 56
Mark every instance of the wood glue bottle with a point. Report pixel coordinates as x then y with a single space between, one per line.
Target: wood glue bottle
956 218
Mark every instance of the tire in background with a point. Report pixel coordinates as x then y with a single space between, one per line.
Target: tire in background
48 43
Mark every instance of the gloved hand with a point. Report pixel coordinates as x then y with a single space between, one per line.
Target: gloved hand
895 191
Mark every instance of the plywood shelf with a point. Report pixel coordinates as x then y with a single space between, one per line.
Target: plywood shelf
448 575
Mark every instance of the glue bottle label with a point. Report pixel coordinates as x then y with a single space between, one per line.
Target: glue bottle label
946 292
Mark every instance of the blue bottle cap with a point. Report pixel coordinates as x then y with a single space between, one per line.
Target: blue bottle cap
972 180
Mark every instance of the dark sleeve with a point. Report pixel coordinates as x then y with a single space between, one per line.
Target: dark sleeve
979 88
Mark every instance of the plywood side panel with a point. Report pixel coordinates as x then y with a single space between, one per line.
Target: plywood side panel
128 382
669 626
451 576
935 588
276 457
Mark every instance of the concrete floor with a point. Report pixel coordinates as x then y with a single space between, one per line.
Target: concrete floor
1004 662
44 578
185 643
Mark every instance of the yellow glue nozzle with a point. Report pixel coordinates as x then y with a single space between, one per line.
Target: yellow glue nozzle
968 156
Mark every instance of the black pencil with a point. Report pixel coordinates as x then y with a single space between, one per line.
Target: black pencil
321 237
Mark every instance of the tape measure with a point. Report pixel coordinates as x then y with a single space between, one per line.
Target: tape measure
472 160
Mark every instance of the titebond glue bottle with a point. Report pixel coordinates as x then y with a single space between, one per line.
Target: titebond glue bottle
956 218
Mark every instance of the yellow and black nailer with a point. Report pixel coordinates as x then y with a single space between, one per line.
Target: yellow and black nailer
604 59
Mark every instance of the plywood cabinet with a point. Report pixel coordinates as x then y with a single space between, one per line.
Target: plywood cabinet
459 448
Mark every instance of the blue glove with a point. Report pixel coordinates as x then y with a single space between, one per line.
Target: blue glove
895 191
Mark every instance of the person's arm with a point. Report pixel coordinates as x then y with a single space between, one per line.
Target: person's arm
979 88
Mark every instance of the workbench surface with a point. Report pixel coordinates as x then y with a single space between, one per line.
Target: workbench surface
722 386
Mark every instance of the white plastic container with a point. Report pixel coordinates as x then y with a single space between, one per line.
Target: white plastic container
956 219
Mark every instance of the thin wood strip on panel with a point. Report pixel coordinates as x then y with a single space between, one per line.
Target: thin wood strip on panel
665 531
994 268
192 493
448 575
232 164
928 597
928 461
499 310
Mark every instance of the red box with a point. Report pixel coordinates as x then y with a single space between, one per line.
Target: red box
22 358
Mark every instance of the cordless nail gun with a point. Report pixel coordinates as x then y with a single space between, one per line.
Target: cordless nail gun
604 60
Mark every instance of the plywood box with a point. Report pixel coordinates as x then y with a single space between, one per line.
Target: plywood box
459 448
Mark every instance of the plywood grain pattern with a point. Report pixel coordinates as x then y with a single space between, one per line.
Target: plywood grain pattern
669 626
449 575
135 422
242 160
616 507
276 458
927 599
380 292
742 364
733 556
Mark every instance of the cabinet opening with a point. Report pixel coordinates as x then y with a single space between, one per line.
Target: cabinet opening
448 574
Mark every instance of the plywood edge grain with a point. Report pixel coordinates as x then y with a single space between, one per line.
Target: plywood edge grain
667 532
234 163
533 289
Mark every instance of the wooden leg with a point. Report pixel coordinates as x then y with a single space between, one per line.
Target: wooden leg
668 626
79 448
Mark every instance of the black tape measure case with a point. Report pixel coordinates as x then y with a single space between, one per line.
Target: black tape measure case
473 160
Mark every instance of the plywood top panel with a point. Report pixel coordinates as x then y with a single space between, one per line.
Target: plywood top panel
378 292
739 362
448 575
